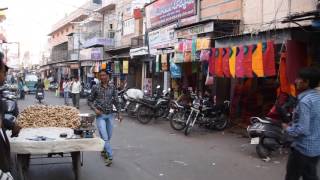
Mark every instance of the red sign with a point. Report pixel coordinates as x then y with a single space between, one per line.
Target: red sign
163 12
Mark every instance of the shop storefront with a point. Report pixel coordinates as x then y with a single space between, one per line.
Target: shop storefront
263 66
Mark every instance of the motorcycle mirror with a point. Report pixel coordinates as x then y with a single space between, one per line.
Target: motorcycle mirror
169 89
158 87
164 91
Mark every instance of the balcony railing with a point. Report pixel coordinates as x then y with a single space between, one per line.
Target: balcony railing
138 41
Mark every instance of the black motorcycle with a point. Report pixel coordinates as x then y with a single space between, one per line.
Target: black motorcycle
207 115
11 112
267 133
154 107
40 96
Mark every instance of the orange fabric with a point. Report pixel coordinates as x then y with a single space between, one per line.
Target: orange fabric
218 62
269 64
104 66
232 61
257 61
285 85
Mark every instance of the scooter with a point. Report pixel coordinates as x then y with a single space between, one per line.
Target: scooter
267 133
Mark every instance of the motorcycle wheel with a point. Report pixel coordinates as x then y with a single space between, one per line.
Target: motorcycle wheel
221 123
188 128
144 115
262 151
178 121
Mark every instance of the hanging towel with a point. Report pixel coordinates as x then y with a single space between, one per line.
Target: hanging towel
269 68
212 62
194 48
257 62
239 62
104 66
205 43
219 62
232 61
225 62
247 61
178 57
117 67
296 59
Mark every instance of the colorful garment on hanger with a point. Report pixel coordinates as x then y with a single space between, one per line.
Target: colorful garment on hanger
178 57
239 62
175 70
188 45
199 44
104 66
125 68
285 85
218 61
232 61
205 43
187 57
194 48
225 62
117 67
257 60
212 61
164 62
247 61
269 64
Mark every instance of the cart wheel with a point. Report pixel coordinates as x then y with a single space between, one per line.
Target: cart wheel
76 162
22 166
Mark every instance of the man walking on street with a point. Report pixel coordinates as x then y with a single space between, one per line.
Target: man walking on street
66 89
75 92
104 96
305 129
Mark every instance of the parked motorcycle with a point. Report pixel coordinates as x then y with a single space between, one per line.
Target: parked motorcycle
11 111
131 97
154 107
178 115
267 133
205 114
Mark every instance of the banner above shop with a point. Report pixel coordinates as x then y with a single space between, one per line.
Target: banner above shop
163 12
139 51
91 54
162 38
195 30
97 41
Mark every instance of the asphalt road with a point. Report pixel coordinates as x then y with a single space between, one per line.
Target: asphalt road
156 152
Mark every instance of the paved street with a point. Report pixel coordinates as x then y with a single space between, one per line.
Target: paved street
156 152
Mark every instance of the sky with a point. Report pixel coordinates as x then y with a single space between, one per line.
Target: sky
30 21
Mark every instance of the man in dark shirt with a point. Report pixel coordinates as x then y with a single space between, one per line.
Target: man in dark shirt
104 97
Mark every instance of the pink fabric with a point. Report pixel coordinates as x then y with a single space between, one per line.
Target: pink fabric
239 62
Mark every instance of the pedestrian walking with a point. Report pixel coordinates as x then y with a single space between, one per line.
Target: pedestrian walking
66 89
305 128
21 85
104 96
75 92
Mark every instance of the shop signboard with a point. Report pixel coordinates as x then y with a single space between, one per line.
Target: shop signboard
85 54
195 30
162 38
139 51
163 12
98 41
97 53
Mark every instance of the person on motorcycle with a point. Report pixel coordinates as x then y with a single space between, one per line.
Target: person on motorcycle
185 98
305 128
39 87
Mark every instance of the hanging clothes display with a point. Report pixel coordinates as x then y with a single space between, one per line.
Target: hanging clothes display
116 67
257 60
269 68
104 66
247 61
232 61
109 68
285 85
218 64
212 61
125 68
205 55
199 44
296 59
225 62
164 62
239 62
178 57
194 48
188 45
175 70
158 63
187 57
